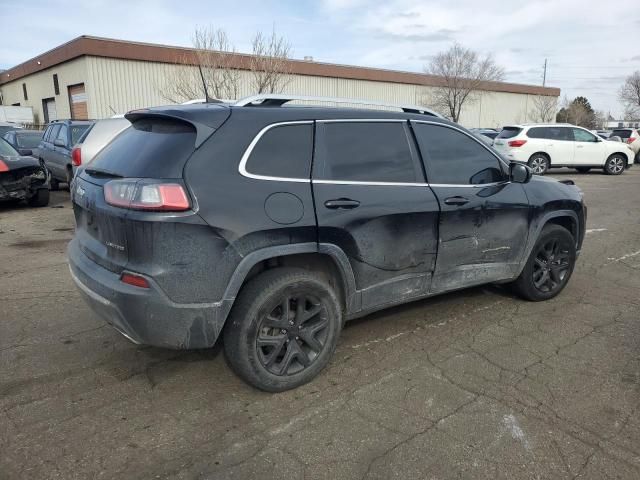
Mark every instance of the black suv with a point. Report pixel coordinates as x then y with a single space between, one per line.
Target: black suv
272 225
55 148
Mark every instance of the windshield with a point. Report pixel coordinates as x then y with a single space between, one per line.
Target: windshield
28 140
7 150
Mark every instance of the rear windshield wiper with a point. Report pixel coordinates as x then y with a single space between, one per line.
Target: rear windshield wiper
98 172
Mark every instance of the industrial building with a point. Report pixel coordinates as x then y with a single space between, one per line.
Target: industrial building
91 77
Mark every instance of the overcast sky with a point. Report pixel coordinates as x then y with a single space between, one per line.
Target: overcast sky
590 45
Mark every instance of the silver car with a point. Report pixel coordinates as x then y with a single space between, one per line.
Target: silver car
90 144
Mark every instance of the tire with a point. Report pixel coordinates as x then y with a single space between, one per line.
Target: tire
539 163
537 281
40 199
615 164
69 177
583 169
637 159
292 350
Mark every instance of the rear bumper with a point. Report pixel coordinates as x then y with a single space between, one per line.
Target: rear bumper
145 316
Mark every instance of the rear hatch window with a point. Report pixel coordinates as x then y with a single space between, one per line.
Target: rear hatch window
509 132
152 147
621 133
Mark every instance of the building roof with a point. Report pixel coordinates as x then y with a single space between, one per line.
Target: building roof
120 49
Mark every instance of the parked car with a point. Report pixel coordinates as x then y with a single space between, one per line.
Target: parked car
55 148
24 141
631 136
492 133
603 134
22 177
95 138
545 146
7 127
208 220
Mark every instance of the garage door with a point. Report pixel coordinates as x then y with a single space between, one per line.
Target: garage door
50 113
78 102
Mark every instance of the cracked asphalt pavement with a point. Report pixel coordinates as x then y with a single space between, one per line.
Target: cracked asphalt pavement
475 384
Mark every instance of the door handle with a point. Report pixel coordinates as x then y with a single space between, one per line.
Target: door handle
345 203
456 200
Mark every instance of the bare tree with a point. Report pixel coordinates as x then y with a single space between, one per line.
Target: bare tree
215 75
463 72
544 108
269 64
629 95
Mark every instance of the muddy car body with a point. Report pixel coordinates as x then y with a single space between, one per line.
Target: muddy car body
22 177
273 225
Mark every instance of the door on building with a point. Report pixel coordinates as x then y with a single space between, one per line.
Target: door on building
49 109
78 102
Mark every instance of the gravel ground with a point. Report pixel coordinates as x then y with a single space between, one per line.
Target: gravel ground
475 384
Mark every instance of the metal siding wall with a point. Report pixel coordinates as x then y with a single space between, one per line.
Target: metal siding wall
124 85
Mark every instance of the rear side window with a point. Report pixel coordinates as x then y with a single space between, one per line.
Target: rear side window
283 151
365 152
538 132
77 131
509 132
621 133
451 157
151 148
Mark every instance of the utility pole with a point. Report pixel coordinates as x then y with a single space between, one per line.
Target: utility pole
544 73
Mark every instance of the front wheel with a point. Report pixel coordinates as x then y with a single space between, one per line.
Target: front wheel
283 329
549 266
40 199
615 165
539 163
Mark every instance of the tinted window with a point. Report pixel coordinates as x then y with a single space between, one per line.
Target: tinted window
538 132
53 133
77 131
509 132
63 134
366 152
559 133
621 133
150 148
451 157
283 152
28 140
583 136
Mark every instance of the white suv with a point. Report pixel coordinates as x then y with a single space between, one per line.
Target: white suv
545 146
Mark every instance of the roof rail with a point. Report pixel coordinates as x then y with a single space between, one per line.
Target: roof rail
277 100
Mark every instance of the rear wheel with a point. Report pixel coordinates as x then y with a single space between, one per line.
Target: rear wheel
40 199
283 329
549 266
615 164
583 169
69 176
55 184
539 163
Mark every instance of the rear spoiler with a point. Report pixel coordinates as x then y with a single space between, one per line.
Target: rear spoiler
204 120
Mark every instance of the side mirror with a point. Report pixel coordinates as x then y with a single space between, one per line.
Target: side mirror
59 143
25 152
520 173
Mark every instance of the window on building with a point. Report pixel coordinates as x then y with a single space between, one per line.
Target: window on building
366 152
56 86
283 151
451 157
24 91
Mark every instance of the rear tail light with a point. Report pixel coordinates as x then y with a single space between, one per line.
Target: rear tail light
135 280
146 195
76 157
517 143
631 139
3 167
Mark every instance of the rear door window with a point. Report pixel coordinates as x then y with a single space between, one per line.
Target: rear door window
365 152
283 151
509 132
63 134
453 158
151 148
53 133
538 132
